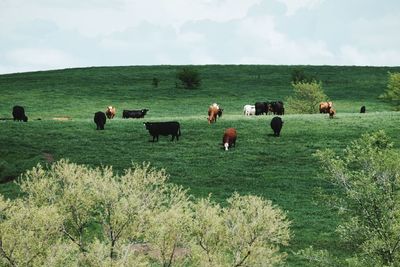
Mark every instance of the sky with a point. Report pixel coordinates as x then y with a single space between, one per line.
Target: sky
57 34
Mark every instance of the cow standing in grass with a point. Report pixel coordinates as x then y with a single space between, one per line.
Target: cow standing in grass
229 138
363 109
325 107
277 108
276 125
18 113
213 111
261 108
110 112
163 128
100 120
249 110
136 114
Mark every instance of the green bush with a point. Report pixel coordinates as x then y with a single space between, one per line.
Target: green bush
306 97
367 196
140 220
189 78
392 92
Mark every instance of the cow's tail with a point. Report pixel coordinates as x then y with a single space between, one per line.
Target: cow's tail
179 131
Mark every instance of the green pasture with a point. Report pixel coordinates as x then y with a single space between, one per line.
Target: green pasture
280 169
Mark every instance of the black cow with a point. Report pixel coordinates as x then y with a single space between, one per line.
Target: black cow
276 125
261 108
277 108
362 110
134 113
164 128
18 113
100 120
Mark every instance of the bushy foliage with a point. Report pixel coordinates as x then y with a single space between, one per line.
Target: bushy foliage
189 78
248 232
392 92
367 196
306 98
72 215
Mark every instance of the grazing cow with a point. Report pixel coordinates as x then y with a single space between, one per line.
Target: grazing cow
213 111
100 120
110 112
134 113
332 112
276 125
276 107
229 138
18 113
325 107
261 108
362 110
163 128
249 110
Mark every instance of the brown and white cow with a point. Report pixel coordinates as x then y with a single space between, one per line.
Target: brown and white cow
325 107
110 112
213 111
229 138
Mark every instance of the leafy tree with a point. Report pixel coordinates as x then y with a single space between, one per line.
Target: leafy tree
367 196
306 97
248 232
189 78
392 92
72 215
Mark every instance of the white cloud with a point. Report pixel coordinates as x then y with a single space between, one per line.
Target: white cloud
292 6
48 34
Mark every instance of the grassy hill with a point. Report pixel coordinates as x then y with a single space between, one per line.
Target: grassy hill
281 169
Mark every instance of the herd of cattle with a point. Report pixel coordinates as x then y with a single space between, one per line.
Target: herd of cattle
173 127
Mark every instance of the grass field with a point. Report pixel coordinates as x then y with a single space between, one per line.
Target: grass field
281 169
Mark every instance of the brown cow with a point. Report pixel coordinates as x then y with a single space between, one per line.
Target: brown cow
110 112
229 138
332 112
213 111
325 107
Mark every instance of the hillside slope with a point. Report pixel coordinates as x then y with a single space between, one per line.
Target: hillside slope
281 169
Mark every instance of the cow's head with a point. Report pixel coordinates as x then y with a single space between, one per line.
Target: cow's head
144 111
25 118
226 146
220 112
146 125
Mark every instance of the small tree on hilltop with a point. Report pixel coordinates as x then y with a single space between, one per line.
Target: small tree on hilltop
306 97
189 77
367 179
392 92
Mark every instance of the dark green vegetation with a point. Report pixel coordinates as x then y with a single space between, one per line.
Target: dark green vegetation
281 169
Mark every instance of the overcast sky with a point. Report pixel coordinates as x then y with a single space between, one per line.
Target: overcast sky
54 34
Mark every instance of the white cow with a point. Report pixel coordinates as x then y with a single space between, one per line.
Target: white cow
249 110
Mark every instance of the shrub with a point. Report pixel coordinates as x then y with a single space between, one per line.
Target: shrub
367 196
72 215
189 78
392 92
306 97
